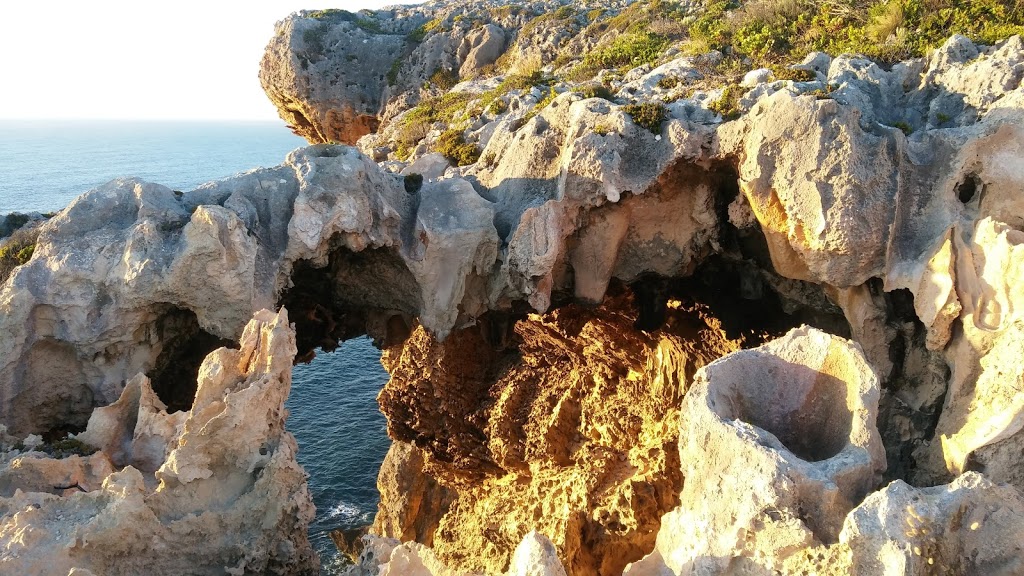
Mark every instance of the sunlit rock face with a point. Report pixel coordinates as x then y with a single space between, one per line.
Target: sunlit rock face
215 490
566 425
791 423
545 308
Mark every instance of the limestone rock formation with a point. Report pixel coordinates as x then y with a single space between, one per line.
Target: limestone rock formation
777 445
215 490
547 287
970 526
567 427
534 556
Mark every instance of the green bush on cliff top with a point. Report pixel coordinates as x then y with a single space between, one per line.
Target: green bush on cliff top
17 250
887 30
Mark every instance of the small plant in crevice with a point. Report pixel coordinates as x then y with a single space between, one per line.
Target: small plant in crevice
595 90
795 75
396 67
649 115
546 100
413 182
453 146
668 82
443 79
728 104
904 127
67 447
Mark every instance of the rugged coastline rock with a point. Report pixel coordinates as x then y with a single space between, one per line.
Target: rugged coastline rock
215 490
563 295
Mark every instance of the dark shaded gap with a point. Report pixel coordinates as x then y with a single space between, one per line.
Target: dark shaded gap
184 347
914 392
739 284
968 189
369 292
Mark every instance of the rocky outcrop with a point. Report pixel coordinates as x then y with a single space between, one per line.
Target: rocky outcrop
546 305
792 422
568 426
215 490
534 556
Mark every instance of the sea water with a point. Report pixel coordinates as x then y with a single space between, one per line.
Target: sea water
333 409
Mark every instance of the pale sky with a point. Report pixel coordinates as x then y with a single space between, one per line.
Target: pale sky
140 59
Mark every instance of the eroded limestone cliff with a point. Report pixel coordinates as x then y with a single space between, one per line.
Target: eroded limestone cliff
214 490
578 298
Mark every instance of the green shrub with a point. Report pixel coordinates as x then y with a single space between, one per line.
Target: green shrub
526 81
67 447
787 73
419 34
595 90
443 79
453 146
336 15
769 31
728 104
12 222
396 67
17 250
497 106
548 99
904 127
417 122
668 82
632 49
649 115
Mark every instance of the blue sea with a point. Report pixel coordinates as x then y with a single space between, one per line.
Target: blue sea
334 415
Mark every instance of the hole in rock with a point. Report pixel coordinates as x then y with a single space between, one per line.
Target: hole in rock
346 299
805 409
333 408
184 346
967 189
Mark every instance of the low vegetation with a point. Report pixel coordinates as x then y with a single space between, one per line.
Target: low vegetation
443 79
631 49
595 90
745 33
887 30
453 146
363 19
67 447
17 250
649 115
728 104
419 34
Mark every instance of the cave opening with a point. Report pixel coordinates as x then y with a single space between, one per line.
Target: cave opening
968 189
185 344
344 299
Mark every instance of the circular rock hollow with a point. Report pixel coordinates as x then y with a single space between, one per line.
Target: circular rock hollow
804 394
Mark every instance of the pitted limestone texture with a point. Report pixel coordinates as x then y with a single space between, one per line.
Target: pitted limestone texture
970 526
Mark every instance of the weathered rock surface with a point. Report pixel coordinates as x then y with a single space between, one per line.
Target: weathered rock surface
569 430
889 196
215 490
970 526
534 556
777 445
